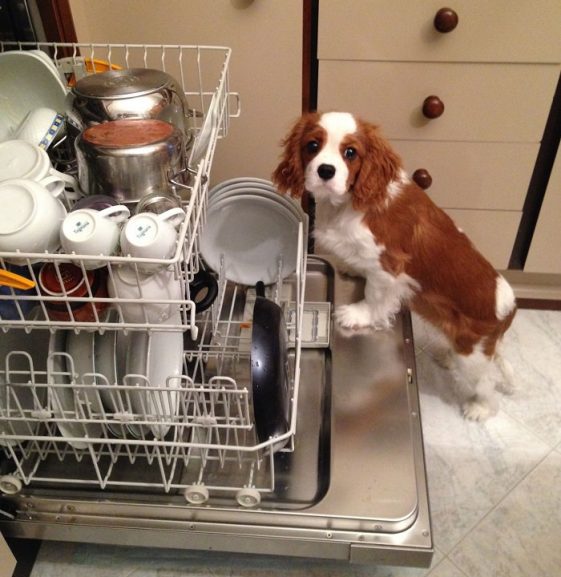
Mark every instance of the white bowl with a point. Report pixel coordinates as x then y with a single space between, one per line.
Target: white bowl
28 80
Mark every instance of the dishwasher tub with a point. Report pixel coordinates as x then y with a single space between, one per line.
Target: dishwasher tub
353 487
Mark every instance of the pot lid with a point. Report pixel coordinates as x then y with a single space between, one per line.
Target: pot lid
122 83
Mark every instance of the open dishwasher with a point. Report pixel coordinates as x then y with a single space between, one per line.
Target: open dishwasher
113 456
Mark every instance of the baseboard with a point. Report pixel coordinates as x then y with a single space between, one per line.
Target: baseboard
534 290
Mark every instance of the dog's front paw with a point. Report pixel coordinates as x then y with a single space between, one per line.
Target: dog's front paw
355 316
478 409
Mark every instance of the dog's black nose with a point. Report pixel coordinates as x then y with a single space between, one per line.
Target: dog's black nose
326 171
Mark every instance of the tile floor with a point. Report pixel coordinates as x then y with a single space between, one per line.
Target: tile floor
495 488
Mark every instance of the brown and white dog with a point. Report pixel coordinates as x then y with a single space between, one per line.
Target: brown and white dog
383 227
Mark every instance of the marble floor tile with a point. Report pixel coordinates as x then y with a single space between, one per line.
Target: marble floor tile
521 537
446 569
533 347
470 466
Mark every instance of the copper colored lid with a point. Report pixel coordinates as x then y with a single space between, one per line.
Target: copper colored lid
128 133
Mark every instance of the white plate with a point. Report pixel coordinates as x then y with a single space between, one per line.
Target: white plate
244 180
62 398
80 346
251 233
28 80
157 358
261 190
105 362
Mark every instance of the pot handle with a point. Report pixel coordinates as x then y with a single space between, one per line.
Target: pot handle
173 179
260 289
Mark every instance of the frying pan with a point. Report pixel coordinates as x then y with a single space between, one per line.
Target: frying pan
269 368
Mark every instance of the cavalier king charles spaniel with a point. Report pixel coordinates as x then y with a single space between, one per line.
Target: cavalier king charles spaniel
383 227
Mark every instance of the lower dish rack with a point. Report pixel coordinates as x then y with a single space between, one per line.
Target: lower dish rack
106 402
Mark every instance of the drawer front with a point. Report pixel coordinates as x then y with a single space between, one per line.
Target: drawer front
482 102
492 231
487 31
545 251
481 175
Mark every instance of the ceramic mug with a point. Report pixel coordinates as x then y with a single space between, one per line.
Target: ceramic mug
41 126
21 159
92 232
125 282
66 280
30 219
150 235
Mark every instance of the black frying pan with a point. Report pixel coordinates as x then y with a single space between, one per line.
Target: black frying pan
269 368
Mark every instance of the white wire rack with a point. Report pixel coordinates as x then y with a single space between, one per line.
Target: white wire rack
192 430
203 74
90 415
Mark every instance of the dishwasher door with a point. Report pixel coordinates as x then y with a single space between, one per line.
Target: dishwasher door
353 487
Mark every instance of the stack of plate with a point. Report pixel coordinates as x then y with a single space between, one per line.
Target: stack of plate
252 231
101 361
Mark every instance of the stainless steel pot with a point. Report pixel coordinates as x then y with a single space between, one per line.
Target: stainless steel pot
128 159
131 93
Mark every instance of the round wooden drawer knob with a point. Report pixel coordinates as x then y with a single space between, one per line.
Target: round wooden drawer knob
445 20
433 107
423 178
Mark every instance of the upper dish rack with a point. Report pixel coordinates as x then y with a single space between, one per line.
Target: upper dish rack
203 72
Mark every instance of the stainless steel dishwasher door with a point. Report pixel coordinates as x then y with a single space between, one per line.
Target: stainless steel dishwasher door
354 488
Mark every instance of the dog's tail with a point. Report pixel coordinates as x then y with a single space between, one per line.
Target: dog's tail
508 384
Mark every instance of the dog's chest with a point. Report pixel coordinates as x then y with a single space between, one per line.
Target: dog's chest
343 234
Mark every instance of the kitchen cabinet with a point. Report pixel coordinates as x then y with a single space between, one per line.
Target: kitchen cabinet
266 65
491 77
544 255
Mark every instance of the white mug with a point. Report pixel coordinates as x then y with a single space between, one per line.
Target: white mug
92 232
30 218
41 126
21 159
125 282
149 235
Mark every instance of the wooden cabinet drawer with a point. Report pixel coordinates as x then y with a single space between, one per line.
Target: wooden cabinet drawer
483 102
545 250
492 231
487 31
484 175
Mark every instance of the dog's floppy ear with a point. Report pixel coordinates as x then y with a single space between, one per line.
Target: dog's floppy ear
289 174
380 166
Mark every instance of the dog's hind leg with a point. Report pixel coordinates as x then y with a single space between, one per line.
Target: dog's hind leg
474 372
507 385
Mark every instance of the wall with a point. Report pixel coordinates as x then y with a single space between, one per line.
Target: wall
266 42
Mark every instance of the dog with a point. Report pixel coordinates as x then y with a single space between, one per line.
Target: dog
383 227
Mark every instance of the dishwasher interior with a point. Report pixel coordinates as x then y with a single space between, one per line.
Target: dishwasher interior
113 456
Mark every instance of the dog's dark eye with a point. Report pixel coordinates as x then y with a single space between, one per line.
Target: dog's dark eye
349 153
312 146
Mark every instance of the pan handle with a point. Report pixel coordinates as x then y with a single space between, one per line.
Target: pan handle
260 289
